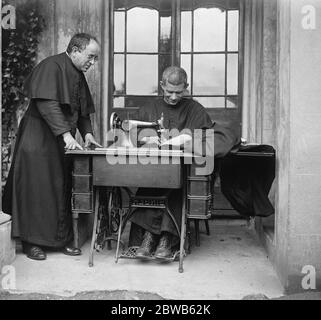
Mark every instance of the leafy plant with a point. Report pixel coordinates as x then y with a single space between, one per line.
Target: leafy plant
19 54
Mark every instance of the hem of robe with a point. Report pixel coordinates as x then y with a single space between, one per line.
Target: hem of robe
149 228
46 243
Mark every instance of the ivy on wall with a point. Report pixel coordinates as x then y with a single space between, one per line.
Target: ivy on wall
19 54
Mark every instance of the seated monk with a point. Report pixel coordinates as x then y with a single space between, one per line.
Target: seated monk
152 229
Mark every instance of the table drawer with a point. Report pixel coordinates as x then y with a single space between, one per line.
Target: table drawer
199 207
199 186
106 173
82 165
82 183
82 202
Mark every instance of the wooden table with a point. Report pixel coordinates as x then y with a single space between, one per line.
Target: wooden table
126 167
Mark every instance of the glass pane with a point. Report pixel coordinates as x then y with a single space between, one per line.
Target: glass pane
119 73
211 102
233 30
209 29
119 32
209 74
142 30
142 74
165 34
186 31
232 73
232 102
119 102
186 65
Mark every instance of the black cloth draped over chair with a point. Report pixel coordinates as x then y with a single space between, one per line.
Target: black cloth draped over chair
246 179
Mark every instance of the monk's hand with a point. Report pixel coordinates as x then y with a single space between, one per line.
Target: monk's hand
90 140
70 142
178 140
149 140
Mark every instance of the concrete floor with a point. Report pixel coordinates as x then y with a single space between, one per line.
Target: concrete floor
229 264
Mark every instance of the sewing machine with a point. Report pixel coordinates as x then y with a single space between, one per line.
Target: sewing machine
125 131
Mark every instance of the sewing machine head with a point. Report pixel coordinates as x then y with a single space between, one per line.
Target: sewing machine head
122 129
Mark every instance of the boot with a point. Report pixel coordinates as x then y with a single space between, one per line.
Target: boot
33 251
147 247
164 248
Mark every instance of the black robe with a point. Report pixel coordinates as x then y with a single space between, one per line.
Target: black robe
38 189
187 114
246 180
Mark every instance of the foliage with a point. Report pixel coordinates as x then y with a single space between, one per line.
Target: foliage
19 53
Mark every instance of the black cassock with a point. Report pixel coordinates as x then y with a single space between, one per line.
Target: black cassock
38 189
187 114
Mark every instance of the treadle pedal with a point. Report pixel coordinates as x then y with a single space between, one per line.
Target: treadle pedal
130 253
100 247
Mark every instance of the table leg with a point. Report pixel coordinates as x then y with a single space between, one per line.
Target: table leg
75 217
94 234
118 238
197 232
181 249
183 229
207 227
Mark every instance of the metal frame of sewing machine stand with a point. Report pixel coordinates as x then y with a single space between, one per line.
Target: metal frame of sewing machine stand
157 202
103 231
160 202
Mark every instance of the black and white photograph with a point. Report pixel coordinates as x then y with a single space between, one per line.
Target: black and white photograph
160 150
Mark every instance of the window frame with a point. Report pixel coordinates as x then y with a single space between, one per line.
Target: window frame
175 54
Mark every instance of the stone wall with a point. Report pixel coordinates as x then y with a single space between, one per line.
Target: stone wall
298 225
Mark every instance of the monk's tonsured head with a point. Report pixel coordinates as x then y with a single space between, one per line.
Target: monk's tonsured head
174 84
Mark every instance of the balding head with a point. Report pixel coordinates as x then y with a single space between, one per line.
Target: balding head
174 84
175 76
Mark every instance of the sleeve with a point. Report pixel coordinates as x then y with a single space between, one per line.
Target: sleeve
199 123
51 112
224 140
216 142
84 125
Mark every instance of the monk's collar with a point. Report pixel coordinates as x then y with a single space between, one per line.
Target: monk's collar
69 58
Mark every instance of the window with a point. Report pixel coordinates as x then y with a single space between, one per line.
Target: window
201 36
209 54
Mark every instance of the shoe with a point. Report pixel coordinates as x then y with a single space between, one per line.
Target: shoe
34 252
164 248
147 247
71 251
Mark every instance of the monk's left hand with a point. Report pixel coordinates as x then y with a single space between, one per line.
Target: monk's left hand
90 140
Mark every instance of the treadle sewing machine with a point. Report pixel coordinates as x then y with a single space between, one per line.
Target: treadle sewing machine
99 176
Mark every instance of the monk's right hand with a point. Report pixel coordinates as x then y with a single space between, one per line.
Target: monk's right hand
70 142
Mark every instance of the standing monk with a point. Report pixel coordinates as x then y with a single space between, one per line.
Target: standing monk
38 190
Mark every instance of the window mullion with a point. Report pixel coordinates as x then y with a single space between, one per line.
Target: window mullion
226 48
192 53
110 15
176 27
125 55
